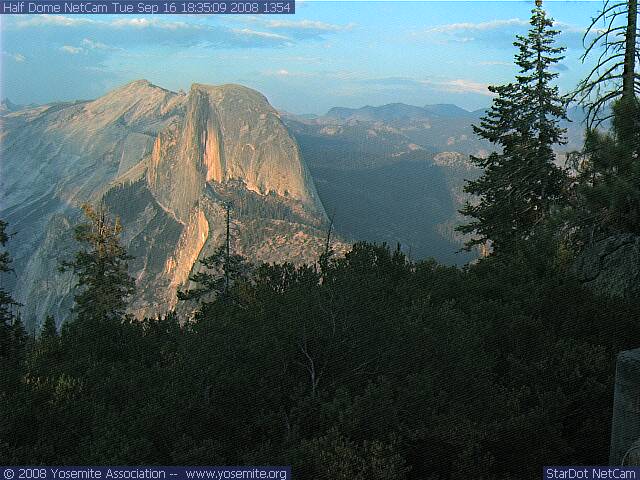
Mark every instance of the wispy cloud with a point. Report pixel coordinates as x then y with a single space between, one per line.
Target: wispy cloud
476 27
308 25
299 29
494 63
466 32
143 32
461 85
138 22
71 50
497 32
87 45
141 23
284 73
457 85
93 45
353 84
53 20
393 81
16 57
255 33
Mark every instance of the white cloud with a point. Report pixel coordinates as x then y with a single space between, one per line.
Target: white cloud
299 29
496 32
493 63
283 73
71 50
255 33
476 27
88 43
54 20
308 25
466 32
571 28
16 57
458 85
154 22
462 86
138 23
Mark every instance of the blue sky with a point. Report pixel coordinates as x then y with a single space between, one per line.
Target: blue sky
347 53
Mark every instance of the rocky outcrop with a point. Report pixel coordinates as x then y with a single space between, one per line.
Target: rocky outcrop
612 266
159 160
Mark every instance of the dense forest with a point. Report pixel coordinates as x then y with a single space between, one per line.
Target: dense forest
368 365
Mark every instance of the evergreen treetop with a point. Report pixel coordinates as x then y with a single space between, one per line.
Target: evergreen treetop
520 183
7 303
49 329
101 268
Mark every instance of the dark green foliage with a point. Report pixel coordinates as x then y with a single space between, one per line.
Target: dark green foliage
13 337
370 367
49 329
7 303
607 191
521 184
104 283
606 194
223 272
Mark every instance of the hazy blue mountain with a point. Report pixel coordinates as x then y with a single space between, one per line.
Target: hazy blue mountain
396 172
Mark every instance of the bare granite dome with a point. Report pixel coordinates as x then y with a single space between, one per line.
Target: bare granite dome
163 162
227 132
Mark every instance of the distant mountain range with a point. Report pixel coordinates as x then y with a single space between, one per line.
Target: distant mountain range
396 172
400 111
166 162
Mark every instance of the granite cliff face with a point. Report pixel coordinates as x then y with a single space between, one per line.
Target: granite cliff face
164 162
226 133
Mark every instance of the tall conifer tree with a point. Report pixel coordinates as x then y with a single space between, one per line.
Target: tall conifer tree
520 183
103 280
7 303
13 337
49 329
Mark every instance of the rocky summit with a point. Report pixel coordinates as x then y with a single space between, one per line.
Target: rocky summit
165 163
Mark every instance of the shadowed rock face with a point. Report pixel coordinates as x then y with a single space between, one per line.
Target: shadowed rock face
612 266
164 162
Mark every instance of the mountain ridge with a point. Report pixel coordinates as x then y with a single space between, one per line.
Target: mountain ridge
394 111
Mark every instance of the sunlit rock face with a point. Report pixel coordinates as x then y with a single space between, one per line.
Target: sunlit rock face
227 133
164 162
